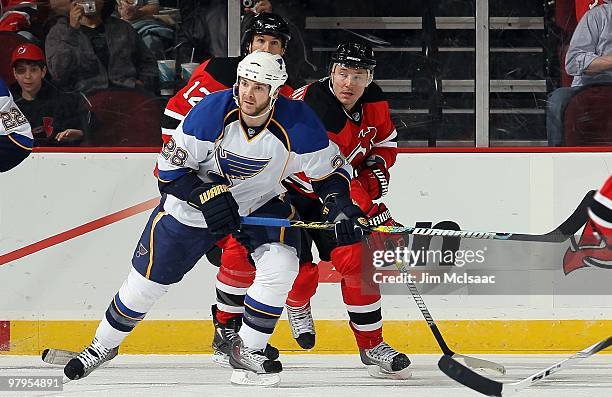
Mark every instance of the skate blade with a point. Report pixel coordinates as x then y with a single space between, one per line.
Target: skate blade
376 372
247 378
221 359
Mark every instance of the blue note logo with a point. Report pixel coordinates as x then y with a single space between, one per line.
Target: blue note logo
234 166
141 251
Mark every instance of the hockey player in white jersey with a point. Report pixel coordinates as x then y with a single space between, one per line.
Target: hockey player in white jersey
227 159
15 132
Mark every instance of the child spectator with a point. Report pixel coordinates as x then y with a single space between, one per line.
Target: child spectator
53 116
93 50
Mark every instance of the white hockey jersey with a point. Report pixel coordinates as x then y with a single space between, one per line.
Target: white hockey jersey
213 142
13 123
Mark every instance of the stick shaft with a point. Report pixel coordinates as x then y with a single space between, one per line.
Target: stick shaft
568 228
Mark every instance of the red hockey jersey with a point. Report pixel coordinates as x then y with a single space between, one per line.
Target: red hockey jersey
365 133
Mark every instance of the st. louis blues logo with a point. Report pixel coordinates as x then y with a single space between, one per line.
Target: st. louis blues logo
141 251
234 166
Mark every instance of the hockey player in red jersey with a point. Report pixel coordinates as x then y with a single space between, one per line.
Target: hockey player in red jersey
356 115
357 118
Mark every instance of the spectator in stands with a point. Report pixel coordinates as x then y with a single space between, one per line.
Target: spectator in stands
157 36
588 59
53 116
204 28
203 31
60 7
96 51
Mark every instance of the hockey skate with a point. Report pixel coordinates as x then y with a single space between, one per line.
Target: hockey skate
222 341
383 361
252 367
89 359
302 325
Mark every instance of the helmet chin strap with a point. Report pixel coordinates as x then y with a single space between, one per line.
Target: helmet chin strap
271 105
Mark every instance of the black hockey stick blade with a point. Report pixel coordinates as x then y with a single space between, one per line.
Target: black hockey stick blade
568 228
58 356
467 377
490 387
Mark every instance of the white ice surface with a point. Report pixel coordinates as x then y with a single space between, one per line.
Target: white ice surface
307 375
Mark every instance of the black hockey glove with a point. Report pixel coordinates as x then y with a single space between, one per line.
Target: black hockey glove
351 223
218 206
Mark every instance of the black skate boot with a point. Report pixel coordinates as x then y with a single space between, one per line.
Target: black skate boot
383 361
252 367
302 325
91 358
222 341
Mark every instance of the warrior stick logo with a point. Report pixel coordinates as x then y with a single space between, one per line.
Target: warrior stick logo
591 251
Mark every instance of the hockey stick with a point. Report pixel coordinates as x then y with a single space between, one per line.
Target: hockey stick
490 387
58 356
476 363
568 228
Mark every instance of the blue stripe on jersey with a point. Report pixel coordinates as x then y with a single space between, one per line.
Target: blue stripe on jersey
262 308
125 311
205 120
172 175
306 131
24 141
4 91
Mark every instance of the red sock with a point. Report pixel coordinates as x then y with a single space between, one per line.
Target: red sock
367 339
223 317
304 286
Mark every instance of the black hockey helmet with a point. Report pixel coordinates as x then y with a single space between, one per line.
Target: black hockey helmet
267 23
356 55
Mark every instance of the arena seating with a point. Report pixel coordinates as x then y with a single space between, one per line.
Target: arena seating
9 41
588 117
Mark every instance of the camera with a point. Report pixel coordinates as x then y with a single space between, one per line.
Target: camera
89 6
248 3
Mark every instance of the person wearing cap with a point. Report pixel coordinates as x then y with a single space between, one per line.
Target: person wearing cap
51 113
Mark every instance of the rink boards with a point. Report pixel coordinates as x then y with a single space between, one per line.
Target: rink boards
69 223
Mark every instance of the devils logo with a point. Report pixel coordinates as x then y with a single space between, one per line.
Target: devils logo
591 251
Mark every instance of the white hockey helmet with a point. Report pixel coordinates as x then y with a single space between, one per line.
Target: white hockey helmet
264 68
